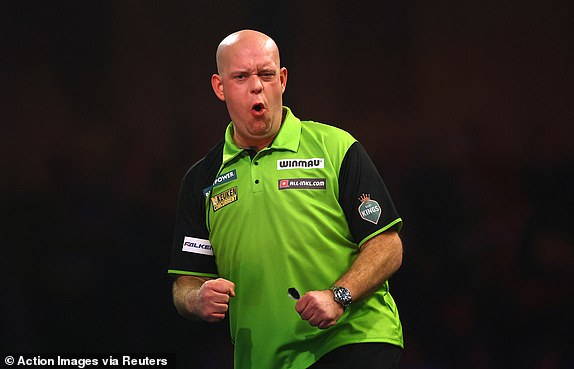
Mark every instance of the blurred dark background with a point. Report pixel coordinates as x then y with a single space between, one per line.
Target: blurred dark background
465 107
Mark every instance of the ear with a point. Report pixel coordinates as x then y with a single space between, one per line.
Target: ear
217 85
283 78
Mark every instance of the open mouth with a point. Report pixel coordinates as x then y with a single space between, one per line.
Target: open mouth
258 107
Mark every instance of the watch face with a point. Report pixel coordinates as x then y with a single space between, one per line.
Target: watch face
342 295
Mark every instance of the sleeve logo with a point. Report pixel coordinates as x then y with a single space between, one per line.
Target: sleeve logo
369 210
197 246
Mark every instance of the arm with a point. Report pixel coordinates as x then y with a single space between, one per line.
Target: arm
203 298
378 260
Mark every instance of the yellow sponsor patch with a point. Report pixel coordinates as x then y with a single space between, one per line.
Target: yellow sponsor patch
224 198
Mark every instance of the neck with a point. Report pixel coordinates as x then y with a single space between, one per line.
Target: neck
254 146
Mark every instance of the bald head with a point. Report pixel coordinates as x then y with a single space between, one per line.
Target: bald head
244 41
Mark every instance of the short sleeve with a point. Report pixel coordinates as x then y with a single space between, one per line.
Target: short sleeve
364 197
191 252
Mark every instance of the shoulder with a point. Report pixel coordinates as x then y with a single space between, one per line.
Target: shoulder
207 167
323 128
328 135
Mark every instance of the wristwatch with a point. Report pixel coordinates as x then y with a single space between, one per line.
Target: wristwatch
342 296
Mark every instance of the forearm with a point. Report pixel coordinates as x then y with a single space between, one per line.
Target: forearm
378 260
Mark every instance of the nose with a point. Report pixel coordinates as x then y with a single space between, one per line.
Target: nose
256 85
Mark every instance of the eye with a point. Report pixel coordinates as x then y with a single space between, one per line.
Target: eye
240 77
267 75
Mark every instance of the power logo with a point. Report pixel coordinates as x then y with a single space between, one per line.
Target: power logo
224 178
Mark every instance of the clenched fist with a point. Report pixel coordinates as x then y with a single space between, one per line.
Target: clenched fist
211 301
202 298
319 308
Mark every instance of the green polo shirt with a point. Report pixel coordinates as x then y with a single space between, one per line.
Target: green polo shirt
292 215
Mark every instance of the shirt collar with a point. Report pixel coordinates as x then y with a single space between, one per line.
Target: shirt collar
288 137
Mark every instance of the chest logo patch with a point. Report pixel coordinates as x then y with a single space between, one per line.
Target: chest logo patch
224 198
369 210
312 163
303 183
224 178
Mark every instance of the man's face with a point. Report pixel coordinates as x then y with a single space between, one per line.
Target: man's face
252 83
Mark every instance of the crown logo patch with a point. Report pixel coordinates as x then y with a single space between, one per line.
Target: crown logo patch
369 210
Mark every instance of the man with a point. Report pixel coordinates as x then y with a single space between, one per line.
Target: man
283 205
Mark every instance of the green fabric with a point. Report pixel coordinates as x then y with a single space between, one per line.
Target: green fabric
267 240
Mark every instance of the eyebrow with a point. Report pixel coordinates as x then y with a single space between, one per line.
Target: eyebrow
265 67
249 73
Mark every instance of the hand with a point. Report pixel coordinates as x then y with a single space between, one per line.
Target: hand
212 299
319 308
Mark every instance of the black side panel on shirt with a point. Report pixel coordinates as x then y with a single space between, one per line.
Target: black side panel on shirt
360 180
190 218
